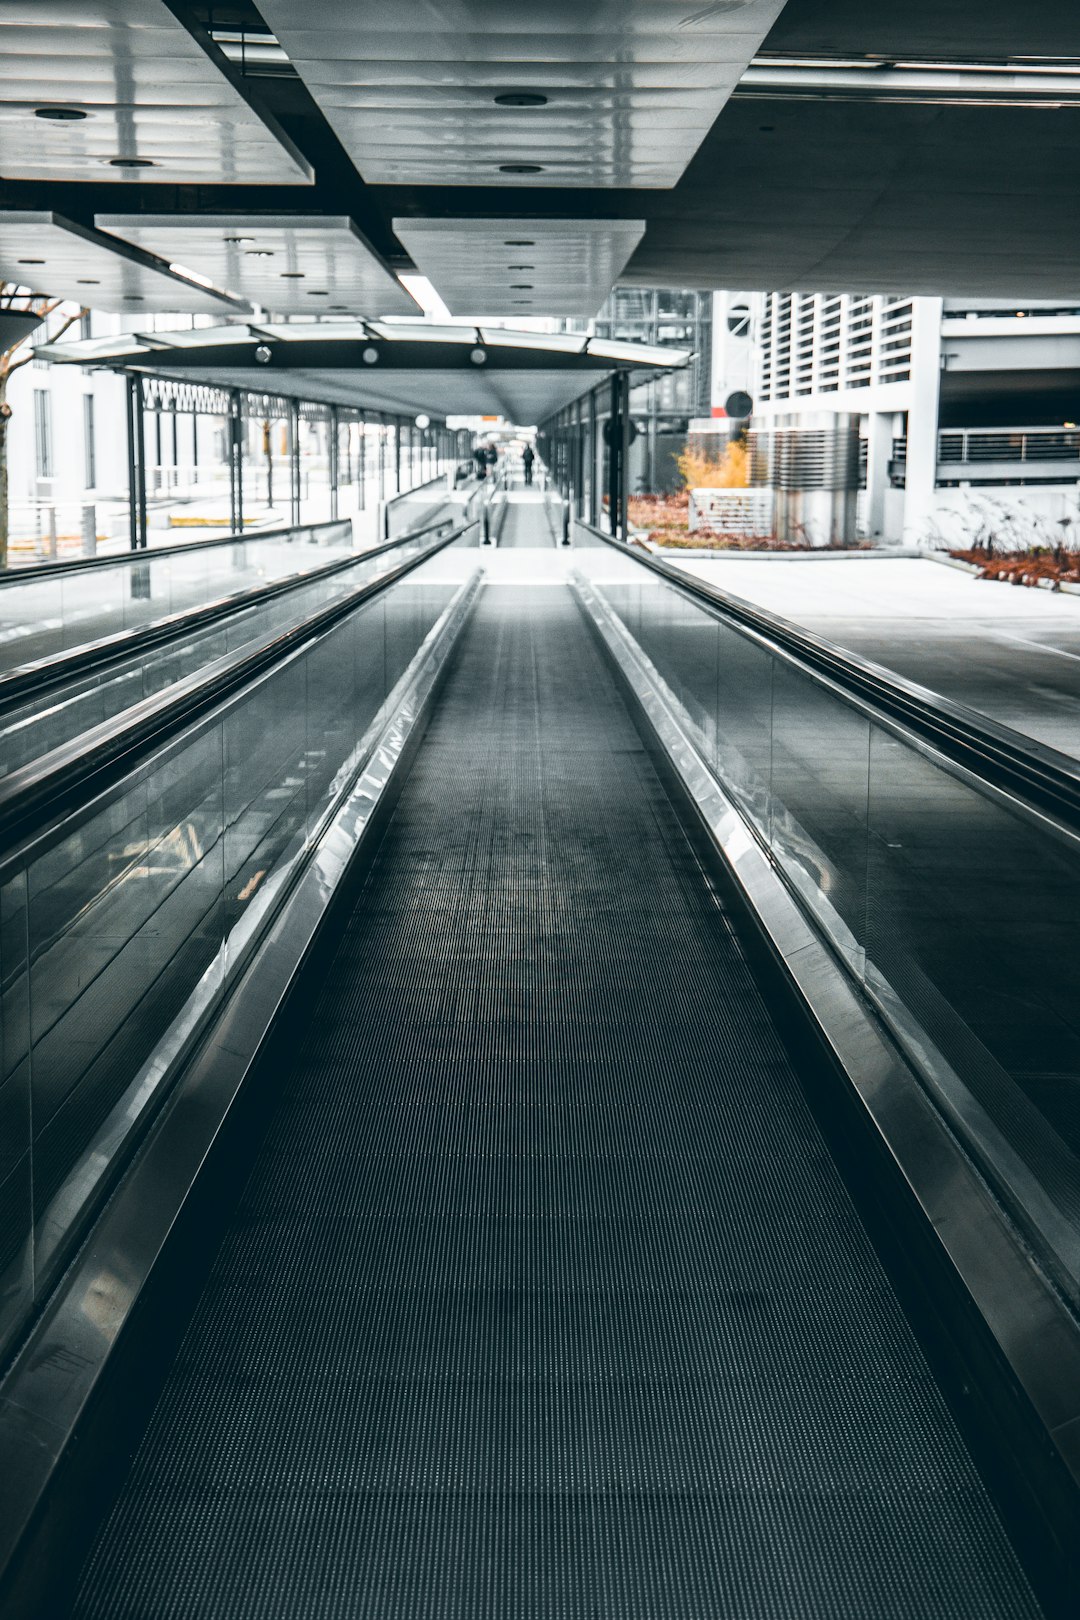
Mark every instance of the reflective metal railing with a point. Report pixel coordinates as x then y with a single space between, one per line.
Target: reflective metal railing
418 508
46 610
951 898
169 839
74 692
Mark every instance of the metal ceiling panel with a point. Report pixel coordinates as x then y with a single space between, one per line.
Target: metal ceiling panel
295 266
608 93
121 90
52 256
514 268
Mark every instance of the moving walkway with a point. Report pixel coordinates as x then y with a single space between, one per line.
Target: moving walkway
502 1144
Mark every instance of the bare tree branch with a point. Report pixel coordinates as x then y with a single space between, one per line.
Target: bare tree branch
45 309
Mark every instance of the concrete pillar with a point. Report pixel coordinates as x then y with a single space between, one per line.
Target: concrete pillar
879 439
922 435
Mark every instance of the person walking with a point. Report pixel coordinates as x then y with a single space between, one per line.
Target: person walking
528 456
480 458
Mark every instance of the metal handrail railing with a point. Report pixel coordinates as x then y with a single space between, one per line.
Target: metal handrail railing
70 776
58 669
38 571
1040 776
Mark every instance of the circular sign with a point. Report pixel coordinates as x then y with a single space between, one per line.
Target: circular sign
739 405
609 430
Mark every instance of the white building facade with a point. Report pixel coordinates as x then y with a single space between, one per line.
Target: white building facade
966 410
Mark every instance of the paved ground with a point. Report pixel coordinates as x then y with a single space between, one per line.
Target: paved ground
1012 653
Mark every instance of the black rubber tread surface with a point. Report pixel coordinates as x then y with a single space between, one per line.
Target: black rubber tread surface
544 1298
525 523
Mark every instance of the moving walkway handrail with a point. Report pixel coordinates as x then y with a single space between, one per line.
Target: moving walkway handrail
58 669
77 771
117 559
1018 765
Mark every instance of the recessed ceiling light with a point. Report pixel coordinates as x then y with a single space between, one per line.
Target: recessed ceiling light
240 241
259 253
134 298
29 261
521 267
370 357
292 275
521 286
132 163
478 356
519 241
521 168
60 115
88 281
521 98
316 292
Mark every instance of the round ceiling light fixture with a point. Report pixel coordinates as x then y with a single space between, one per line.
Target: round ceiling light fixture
521 267
264 354
292 275
521 168
519 241
370 356
88 281
521 98
478 356
29 261
134 298
317 292
132 163
259 253
239 241
423 421
521 286
61 115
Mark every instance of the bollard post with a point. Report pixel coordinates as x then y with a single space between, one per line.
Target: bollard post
89 531
51 552
566 523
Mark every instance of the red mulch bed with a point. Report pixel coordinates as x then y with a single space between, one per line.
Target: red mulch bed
666 521
1058 565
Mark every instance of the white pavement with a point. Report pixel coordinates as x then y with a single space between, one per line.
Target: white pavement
1010 652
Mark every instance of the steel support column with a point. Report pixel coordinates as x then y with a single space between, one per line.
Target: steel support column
236 462
614 438
334 459
136 446
624 456
594 456
294 461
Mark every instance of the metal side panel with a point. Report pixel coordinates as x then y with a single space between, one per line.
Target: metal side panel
50 1395
544 1297
1001 1333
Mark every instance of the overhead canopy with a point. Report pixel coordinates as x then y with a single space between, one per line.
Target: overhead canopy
294 265
867 148
123 88
556 92
399 366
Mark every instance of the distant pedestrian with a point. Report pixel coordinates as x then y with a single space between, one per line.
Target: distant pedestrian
527 458
480 458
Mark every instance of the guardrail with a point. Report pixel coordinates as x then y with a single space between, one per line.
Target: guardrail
335 531
1044 778
139 860
912 872
937 852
